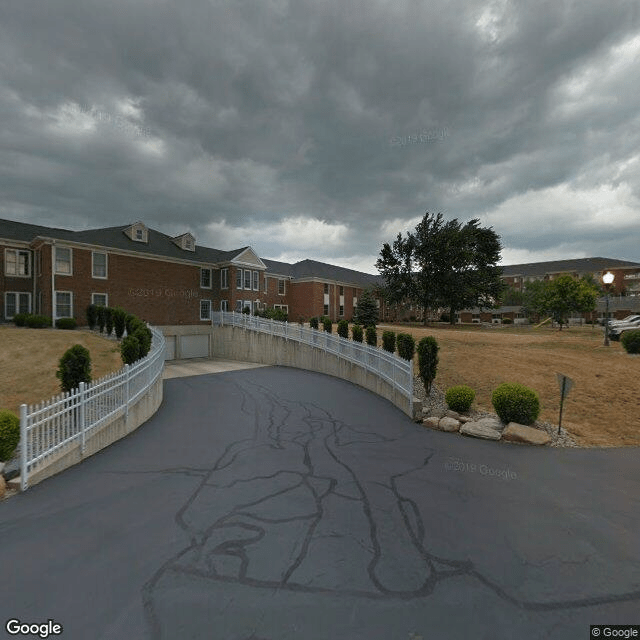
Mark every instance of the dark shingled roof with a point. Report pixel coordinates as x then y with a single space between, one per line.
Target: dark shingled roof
315 269
579 265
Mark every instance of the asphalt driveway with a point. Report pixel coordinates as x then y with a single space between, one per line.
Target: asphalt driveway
274 503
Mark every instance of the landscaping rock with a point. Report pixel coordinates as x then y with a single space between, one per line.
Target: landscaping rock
3 487
452 414
448 424
515 432
492 423
431 422
465 419
480 430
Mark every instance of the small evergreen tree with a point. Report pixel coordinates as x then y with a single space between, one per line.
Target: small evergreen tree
367 309
74 367
119 321
313 322
428 361
389 341
406 346
129 349
343 329
101 318
327 324
108 320
9 434
356 333
371 336
92 316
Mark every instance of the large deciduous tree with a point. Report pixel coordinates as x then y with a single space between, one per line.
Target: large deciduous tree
443 264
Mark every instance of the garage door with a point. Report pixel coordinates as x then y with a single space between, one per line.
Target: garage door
170 348
194 346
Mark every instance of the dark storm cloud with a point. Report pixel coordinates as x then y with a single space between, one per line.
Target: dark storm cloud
321 129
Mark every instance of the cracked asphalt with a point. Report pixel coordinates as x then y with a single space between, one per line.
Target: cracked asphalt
274 503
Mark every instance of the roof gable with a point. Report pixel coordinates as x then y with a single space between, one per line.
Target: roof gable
249 257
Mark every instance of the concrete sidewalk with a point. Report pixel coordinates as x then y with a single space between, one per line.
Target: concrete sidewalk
202 366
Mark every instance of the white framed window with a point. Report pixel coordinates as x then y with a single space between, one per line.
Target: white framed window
239 306
256 281
282 307
238 278
281 287
205 278
140 235
247 279
341 290
64 304
17 263
98 264
325 310
64 262
224 278
266 283
205 309
326 287
16 302
341 310
224 305
355 301
100 299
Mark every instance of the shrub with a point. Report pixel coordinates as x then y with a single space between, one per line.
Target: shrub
428 361
389 341
371 336
327 325
631 341
406 346
119 321
128 323
66 323
101 318
9 434
129 349
74 367
143 335
313 322
92 316
445 317
108 320
246 310
20 319
460 398
516 403
343 329
301 320
507 321
37 322
357 333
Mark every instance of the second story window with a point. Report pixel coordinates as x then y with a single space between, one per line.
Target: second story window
326 287
205 278
16 263
238 278
224 278
247 279
256 281
99 264
281 287
63 261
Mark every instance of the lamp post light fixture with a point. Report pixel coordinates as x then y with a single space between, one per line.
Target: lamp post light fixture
607 278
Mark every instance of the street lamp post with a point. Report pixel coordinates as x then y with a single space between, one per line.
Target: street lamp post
607 278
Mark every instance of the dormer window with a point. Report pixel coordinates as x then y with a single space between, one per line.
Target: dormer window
140 235
137 232
186 242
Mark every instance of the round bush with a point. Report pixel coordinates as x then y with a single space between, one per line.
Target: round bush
20 319
74 367
507 321
129 349
9 434
631 341
516 403
313 322
143 335
343 329
460 398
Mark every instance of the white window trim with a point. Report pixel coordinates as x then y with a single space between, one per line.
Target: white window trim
239 279
106 265
256 280
17 294
55 262
284 286
244 281
224 278
208 317
266 283
224 305
17 254
57 316
93 298
204 286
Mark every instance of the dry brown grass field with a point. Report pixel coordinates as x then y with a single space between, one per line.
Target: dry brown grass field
603 407
29 361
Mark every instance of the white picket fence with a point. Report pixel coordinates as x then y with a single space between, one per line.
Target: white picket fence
388 366
49 426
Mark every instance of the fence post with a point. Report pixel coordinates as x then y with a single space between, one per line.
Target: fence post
23 447
126 377
82 417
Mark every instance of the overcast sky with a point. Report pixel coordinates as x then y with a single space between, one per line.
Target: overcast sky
320 129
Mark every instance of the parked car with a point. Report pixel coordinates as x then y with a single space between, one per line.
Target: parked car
632 318
617 329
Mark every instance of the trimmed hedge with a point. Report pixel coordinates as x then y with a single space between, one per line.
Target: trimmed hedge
327 325
20 319
74 367
130 350
371 336
516 403
66 323
92 316
119 321
108 320
406 346
313 322
9 434
631 341
343 329
460 398
143 335
428 361
101 318
389 341
356 333
37 322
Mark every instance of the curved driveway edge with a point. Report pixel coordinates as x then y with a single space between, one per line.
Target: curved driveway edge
275 503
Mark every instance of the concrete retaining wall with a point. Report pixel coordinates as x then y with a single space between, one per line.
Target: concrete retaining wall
96 440
236 343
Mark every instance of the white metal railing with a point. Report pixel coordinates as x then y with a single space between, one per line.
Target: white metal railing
49 426
395 370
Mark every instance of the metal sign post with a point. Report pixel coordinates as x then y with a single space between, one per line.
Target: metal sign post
565 383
